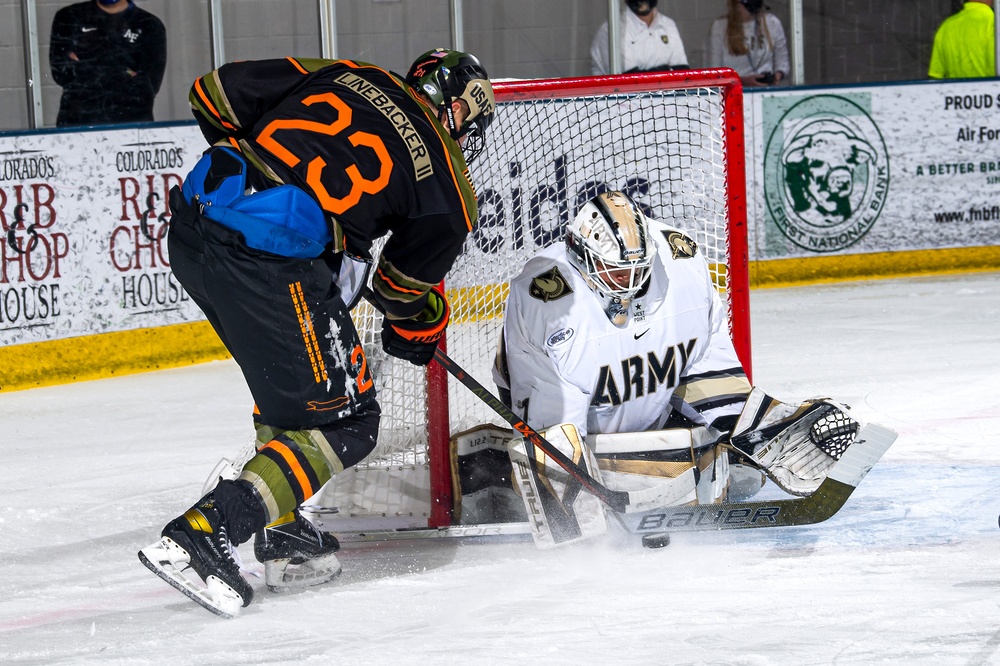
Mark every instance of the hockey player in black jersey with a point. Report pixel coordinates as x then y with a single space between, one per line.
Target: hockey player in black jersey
312 160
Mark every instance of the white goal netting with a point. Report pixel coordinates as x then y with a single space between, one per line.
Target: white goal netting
545 158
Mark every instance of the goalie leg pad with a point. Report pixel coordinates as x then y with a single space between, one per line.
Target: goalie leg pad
482 478
634 460
559 510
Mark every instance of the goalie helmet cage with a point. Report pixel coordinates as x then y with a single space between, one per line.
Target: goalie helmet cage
672 140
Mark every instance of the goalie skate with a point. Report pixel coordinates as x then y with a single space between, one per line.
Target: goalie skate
196 542
296 554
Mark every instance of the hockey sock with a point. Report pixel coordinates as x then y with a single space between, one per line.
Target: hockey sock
295 464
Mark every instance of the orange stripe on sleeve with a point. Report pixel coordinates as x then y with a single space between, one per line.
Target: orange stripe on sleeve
206 100
454 178
297 65
395 287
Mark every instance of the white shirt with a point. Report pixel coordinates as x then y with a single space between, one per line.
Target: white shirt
644 47
569 364
763 57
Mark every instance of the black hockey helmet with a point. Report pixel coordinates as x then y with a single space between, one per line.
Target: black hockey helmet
443 76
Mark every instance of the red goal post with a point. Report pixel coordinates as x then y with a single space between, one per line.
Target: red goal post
672 140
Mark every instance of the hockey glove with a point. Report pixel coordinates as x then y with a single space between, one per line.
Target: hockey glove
415 339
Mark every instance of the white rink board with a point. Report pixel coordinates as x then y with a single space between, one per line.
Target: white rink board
93 272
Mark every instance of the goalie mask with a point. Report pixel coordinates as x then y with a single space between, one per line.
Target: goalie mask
609 243
445 76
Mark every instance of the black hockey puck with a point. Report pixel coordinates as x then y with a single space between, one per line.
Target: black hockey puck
655 540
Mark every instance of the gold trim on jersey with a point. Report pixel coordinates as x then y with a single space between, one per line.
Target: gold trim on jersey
469 206
251 156
712 388
218 94
421 157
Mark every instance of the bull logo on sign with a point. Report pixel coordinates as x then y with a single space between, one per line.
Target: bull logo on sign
826 173
820 170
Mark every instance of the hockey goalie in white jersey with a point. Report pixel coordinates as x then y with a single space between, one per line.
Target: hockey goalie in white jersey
618 338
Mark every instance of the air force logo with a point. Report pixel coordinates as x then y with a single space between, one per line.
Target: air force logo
549 286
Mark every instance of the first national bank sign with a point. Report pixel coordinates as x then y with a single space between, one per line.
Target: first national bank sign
875 169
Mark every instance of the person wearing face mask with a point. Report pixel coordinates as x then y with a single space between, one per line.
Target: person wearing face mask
109 57
649 40
750 40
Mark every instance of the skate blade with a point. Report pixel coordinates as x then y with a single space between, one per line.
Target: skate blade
282 576
168 561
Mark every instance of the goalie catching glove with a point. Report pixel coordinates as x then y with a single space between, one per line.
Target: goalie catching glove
416 338
796 445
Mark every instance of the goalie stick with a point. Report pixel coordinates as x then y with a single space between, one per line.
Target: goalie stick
872 442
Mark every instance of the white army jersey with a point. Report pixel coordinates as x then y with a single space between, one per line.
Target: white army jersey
568 363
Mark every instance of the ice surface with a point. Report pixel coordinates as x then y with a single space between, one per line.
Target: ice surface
906 573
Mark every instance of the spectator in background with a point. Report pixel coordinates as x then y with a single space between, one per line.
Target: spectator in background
964 44
109 57
750 40
650 41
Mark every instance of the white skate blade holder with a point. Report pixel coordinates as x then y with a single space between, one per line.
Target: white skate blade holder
170 562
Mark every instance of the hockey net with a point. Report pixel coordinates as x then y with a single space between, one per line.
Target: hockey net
672 140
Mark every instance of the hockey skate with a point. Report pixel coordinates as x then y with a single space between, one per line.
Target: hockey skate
197 541
295 554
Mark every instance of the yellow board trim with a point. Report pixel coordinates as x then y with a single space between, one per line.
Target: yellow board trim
127 352
874 266
107 355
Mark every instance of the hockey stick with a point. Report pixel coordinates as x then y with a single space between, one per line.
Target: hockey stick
621 501
873 440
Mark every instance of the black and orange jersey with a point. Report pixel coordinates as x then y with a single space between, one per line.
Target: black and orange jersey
359 141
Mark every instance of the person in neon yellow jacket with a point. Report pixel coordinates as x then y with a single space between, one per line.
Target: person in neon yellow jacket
964 44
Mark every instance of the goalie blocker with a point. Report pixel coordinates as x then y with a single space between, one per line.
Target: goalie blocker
500 479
